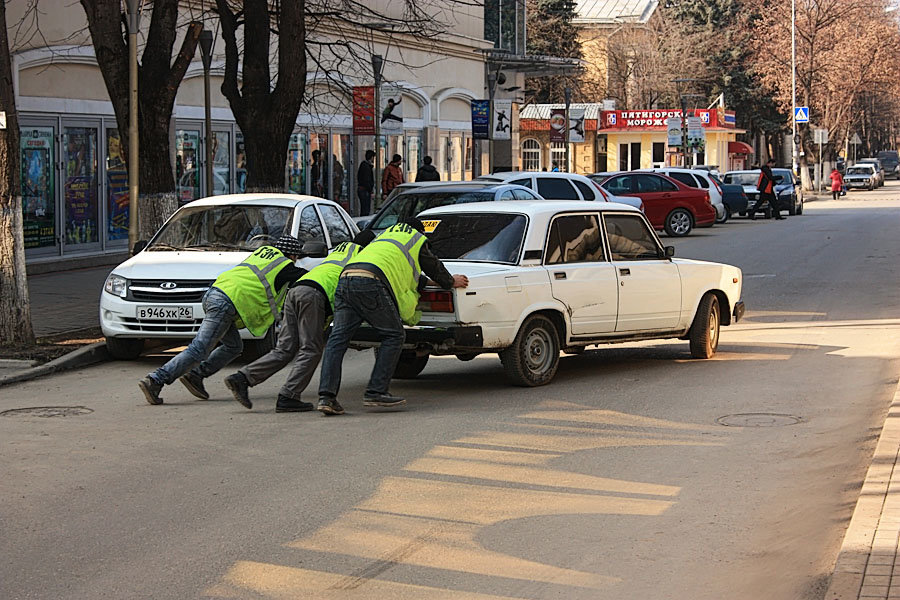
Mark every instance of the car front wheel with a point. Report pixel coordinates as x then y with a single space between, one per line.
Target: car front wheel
679 222
533 358
704 333
792 207
410 365
124 348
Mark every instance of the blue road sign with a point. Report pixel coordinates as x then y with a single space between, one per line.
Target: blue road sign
801 114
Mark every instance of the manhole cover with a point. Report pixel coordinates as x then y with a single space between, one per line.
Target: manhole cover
758 420
47 411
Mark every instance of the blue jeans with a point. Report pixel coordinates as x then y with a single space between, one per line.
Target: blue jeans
218 325
359 299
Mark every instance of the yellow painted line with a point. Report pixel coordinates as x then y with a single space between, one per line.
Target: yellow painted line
569 443
491 456
581 414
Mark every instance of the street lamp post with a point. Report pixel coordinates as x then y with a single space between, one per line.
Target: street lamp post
134 23
377 69
794 159
206 44
568 97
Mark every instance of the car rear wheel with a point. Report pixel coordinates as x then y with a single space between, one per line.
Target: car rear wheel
704 333
533 358
410 365
679 222
124 348
724 218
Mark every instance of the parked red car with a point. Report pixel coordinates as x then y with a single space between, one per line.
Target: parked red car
669 204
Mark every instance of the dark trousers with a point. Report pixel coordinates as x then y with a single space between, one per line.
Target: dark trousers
763 198
365 201
356 300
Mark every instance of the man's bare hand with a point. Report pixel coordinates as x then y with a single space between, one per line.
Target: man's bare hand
460 281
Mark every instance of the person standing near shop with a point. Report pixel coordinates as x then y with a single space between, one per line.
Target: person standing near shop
248 295
392 176
381 287
766 186
427 172
365 184
837 183
301 338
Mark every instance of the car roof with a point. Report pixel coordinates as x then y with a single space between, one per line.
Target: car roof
288 200
409 185
462 187
530 207
505 175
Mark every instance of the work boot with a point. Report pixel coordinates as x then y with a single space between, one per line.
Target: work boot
239 385
330 406
385 400
151 390
287 404
194 384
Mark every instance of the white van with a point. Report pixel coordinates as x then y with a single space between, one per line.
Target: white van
157 293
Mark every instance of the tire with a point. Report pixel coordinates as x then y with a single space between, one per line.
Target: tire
800 208
724 218
679 222
704 333
533 358
792 209
124 348
410 365
254 349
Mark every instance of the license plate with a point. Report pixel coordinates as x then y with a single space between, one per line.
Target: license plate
165 313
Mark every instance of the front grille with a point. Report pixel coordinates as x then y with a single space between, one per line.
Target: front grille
188 327
185 291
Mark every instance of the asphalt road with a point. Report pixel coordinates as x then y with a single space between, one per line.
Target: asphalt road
614 482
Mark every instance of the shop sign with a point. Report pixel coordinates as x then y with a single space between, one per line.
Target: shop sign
628 119
364 110
481 119
502 120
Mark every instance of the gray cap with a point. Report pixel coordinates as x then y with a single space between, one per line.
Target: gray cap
289 245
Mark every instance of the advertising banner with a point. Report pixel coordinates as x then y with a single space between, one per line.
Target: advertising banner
481 119
391 110
364 110
117 188
696 135
576 124
674 131
502 120
39 207
557 125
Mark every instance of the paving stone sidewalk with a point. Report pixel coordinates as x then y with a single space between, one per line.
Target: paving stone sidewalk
66 300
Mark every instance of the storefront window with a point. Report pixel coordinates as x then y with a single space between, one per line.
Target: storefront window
221 141
531 155
456 157
414 154
296 163
240 163
187 180
318 165
468 149
81 202
38 197
116 187
557 156
341 169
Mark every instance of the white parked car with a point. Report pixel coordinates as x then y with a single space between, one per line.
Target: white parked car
552 276
861 176
555 185
157 293
699 178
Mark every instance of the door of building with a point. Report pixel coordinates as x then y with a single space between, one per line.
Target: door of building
222 152
39 180
188 163
115 188
81 218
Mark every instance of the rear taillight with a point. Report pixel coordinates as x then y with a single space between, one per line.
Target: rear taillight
601 190
718 187
708 201
436 301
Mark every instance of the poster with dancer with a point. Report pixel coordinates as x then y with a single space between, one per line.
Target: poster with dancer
391 110
502 120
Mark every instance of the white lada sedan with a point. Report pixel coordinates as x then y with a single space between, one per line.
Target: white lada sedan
552 276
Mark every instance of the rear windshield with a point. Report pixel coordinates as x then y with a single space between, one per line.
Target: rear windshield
411 204
484 237
742 178
223 227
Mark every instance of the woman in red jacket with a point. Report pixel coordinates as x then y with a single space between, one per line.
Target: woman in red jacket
837 184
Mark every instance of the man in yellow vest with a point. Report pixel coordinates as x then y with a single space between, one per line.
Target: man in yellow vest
309 303
381 287
249 295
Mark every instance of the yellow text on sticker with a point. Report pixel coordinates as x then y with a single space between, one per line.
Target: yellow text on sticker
430 225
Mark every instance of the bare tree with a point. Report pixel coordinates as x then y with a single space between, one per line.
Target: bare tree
158 79
15 311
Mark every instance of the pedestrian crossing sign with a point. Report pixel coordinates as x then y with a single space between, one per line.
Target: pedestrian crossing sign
801 114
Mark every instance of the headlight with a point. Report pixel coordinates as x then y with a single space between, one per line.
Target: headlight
116 285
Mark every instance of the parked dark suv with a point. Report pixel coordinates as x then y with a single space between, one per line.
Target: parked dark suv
890 160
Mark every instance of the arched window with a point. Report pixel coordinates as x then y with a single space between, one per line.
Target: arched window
558 156
531 155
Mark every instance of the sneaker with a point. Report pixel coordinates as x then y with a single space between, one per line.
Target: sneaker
194 384
239 385
286 404
151 390
330 406
385 400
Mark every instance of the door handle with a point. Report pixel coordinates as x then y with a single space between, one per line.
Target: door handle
559 275
624 271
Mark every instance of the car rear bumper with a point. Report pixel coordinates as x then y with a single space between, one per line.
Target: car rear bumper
443 340
738 312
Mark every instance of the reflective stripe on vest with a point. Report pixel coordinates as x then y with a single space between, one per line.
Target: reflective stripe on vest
261 275
327 273
406 249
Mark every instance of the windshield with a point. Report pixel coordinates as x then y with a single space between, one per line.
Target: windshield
223 227
859 171
742 178
785 175
481 237
410 205
889 157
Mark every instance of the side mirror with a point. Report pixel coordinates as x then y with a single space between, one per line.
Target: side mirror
314 249
670 251
138 246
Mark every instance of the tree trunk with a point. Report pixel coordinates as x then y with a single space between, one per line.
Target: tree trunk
15 310
158 198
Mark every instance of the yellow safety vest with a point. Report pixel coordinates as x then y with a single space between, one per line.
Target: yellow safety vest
396 253
250 287
327 273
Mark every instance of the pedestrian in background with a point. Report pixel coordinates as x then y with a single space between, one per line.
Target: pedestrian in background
248 295
393 175
427 172
766 186
837 183
301 337
365 182
380 287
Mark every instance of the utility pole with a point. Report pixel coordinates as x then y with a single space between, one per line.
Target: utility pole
206 43
377 68
568 97
794 159
134 24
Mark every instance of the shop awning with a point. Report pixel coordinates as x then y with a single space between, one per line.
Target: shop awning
739 148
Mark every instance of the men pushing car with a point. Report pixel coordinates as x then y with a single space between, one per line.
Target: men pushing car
381 287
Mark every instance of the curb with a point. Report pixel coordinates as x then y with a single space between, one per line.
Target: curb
84 356
866 561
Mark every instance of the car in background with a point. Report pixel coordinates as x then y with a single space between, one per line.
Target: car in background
861 176
559 186
546 277
747 180
698 178
789 191
414 200
734 197
879 169
890 160
669 204
157 294
363 220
